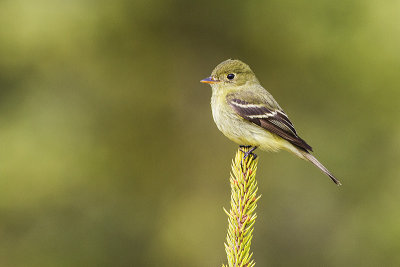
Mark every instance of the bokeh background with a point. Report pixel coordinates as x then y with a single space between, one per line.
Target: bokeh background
110 157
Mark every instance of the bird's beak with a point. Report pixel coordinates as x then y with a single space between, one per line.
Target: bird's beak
209 80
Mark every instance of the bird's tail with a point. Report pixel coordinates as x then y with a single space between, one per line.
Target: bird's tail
314 161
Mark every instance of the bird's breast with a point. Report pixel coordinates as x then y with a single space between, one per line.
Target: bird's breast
229 123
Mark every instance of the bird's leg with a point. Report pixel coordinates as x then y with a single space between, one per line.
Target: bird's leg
250 152
241 146
246 154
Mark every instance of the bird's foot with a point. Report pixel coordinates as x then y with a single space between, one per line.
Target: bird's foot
241 148
246 154
250 152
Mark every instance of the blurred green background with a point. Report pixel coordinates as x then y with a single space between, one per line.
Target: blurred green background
110 157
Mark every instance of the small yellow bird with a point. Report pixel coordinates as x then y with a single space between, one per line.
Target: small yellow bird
248 114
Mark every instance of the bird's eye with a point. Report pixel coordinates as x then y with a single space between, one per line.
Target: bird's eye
230 76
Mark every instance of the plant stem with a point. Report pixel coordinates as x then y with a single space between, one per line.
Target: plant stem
242 216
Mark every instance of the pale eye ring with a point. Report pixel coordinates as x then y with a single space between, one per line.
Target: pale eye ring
230 76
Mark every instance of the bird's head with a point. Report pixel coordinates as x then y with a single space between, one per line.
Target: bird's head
231 73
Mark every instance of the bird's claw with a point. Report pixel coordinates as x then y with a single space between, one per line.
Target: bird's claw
246 154
240 148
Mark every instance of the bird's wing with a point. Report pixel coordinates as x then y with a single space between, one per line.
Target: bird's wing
263 114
